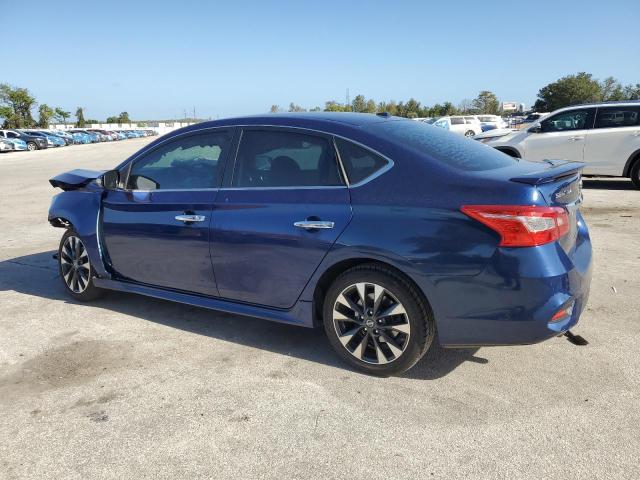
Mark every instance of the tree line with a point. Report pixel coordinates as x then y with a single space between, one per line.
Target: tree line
569 90
17 104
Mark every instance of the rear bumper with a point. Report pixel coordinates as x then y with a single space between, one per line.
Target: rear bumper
512 301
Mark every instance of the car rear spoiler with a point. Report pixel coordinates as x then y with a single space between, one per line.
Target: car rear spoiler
556 169
75 179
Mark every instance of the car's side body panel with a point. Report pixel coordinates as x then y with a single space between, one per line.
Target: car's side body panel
147 244
259 255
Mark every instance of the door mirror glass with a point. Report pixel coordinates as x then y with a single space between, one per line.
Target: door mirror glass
110 179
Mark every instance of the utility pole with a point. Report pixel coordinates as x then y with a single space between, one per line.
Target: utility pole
348 102
194 113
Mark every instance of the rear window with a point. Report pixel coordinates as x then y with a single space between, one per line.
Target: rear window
454 150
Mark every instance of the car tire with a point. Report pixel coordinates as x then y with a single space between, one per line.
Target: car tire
634 174
387 332
31 146
75 268
469 133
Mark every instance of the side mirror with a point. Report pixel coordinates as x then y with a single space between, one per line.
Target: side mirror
110 179
536 128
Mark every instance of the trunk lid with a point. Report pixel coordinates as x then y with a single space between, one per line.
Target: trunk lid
560 184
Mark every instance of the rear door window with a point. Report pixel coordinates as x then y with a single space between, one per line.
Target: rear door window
457 121
278 158
615 117
359 163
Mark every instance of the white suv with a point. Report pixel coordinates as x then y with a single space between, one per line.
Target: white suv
467 126
492 120
605 136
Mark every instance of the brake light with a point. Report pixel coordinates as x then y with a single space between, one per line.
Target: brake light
522 225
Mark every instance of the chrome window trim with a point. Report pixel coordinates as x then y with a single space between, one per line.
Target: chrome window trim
364 181
389 166
344 172
174 190
302 187
131 161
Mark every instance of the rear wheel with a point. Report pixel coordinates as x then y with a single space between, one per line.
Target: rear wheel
469 133
376 320
75 268
635 173
31 146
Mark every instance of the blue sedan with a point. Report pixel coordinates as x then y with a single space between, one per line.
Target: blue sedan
378 229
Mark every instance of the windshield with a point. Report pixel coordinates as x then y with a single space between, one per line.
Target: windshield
454 150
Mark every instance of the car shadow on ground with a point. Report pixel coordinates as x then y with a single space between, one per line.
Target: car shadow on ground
37 275
608 184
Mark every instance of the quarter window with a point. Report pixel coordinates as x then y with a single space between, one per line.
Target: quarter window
358 162
612 117
271 158
571 120
191 162
457 121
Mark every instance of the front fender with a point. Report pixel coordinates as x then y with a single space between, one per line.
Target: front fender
82 209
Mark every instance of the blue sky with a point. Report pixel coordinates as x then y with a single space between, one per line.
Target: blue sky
156 59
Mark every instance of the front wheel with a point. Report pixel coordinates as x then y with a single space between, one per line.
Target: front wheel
31 146
469 133
75 268
377 321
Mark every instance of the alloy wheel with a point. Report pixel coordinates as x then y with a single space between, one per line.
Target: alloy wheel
31 146
74 264
371 323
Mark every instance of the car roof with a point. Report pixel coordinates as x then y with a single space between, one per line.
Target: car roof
617 103
302 119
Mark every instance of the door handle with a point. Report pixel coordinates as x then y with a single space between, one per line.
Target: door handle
190 218
313 224
576 138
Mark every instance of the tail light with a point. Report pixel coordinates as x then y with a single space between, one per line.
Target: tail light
521 225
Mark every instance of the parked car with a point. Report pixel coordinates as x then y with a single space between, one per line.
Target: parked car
467 126
64 135
93 136
33 142
81 138
380 229
12 144
105 135
52 140
605 136
493 121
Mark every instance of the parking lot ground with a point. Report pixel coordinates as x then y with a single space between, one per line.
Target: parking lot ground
133 387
